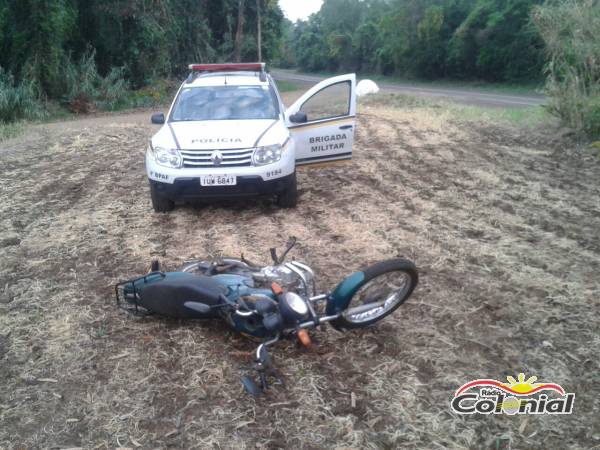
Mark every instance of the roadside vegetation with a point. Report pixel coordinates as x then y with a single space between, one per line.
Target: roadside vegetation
10 130
570 30
18 100
85 89
62 57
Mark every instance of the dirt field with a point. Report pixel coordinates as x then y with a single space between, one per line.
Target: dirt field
502 222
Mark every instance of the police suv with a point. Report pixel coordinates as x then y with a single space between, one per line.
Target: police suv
228 134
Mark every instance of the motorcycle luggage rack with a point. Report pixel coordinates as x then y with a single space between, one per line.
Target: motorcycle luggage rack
129 302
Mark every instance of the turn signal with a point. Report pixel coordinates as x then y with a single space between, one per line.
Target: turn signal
277 290
304 338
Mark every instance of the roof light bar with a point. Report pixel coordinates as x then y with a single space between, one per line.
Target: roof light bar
229 67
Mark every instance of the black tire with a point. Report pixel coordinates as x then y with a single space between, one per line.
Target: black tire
289 197
160 203
392 267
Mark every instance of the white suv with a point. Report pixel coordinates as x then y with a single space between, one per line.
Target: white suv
228 134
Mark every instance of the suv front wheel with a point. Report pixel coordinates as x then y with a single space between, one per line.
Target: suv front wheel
159 202
289 197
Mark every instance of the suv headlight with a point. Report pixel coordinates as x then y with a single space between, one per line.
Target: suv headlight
267 154
167 157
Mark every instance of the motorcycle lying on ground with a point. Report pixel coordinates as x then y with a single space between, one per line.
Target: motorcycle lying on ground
269 303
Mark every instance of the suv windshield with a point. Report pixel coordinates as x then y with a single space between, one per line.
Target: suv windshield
224 103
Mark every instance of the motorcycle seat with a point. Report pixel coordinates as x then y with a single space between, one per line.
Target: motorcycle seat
167 295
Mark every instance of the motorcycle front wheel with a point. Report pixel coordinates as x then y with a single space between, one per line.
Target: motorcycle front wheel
385 287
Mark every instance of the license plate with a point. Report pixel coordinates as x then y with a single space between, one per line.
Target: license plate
218 180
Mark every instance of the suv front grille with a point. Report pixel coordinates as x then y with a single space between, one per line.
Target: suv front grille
241 157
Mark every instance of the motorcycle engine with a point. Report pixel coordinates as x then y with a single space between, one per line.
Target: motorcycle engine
286 278
289 275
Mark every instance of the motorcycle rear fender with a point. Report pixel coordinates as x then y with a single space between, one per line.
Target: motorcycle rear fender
340 298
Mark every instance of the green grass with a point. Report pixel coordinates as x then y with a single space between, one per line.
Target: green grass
521 117
287 86
11 130
530 88
500 88
535 115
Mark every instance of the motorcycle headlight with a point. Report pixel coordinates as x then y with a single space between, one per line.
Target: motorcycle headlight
168 157
267 154
297 303
293 307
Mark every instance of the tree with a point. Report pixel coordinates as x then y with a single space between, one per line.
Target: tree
476 39
47 44
495 42
237 53
258 31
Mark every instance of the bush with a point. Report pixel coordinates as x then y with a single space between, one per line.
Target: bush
10 130
157 93
570 29
87 90
19 100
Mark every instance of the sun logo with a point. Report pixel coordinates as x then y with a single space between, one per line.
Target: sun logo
522 386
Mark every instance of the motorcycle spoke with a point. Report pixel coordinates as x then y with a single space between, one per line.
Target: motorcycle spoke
377 297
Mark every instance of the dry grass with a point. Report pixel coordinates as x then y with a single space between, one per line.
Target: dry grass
503 227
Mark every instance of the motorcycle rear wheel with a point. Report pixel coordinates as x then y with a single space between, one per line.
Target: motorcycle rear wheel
386 287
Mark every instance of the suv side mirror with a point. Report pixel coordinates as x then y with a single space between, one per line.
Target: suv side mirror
158 119
298 117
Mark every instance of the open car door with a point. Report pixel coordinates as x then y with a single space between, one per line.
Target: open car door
321 122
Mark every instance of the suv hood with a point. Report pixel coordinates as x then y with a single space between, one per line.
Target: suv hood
217 134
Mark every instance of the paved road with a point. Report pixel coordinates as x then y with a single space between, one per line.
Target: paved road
466 96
